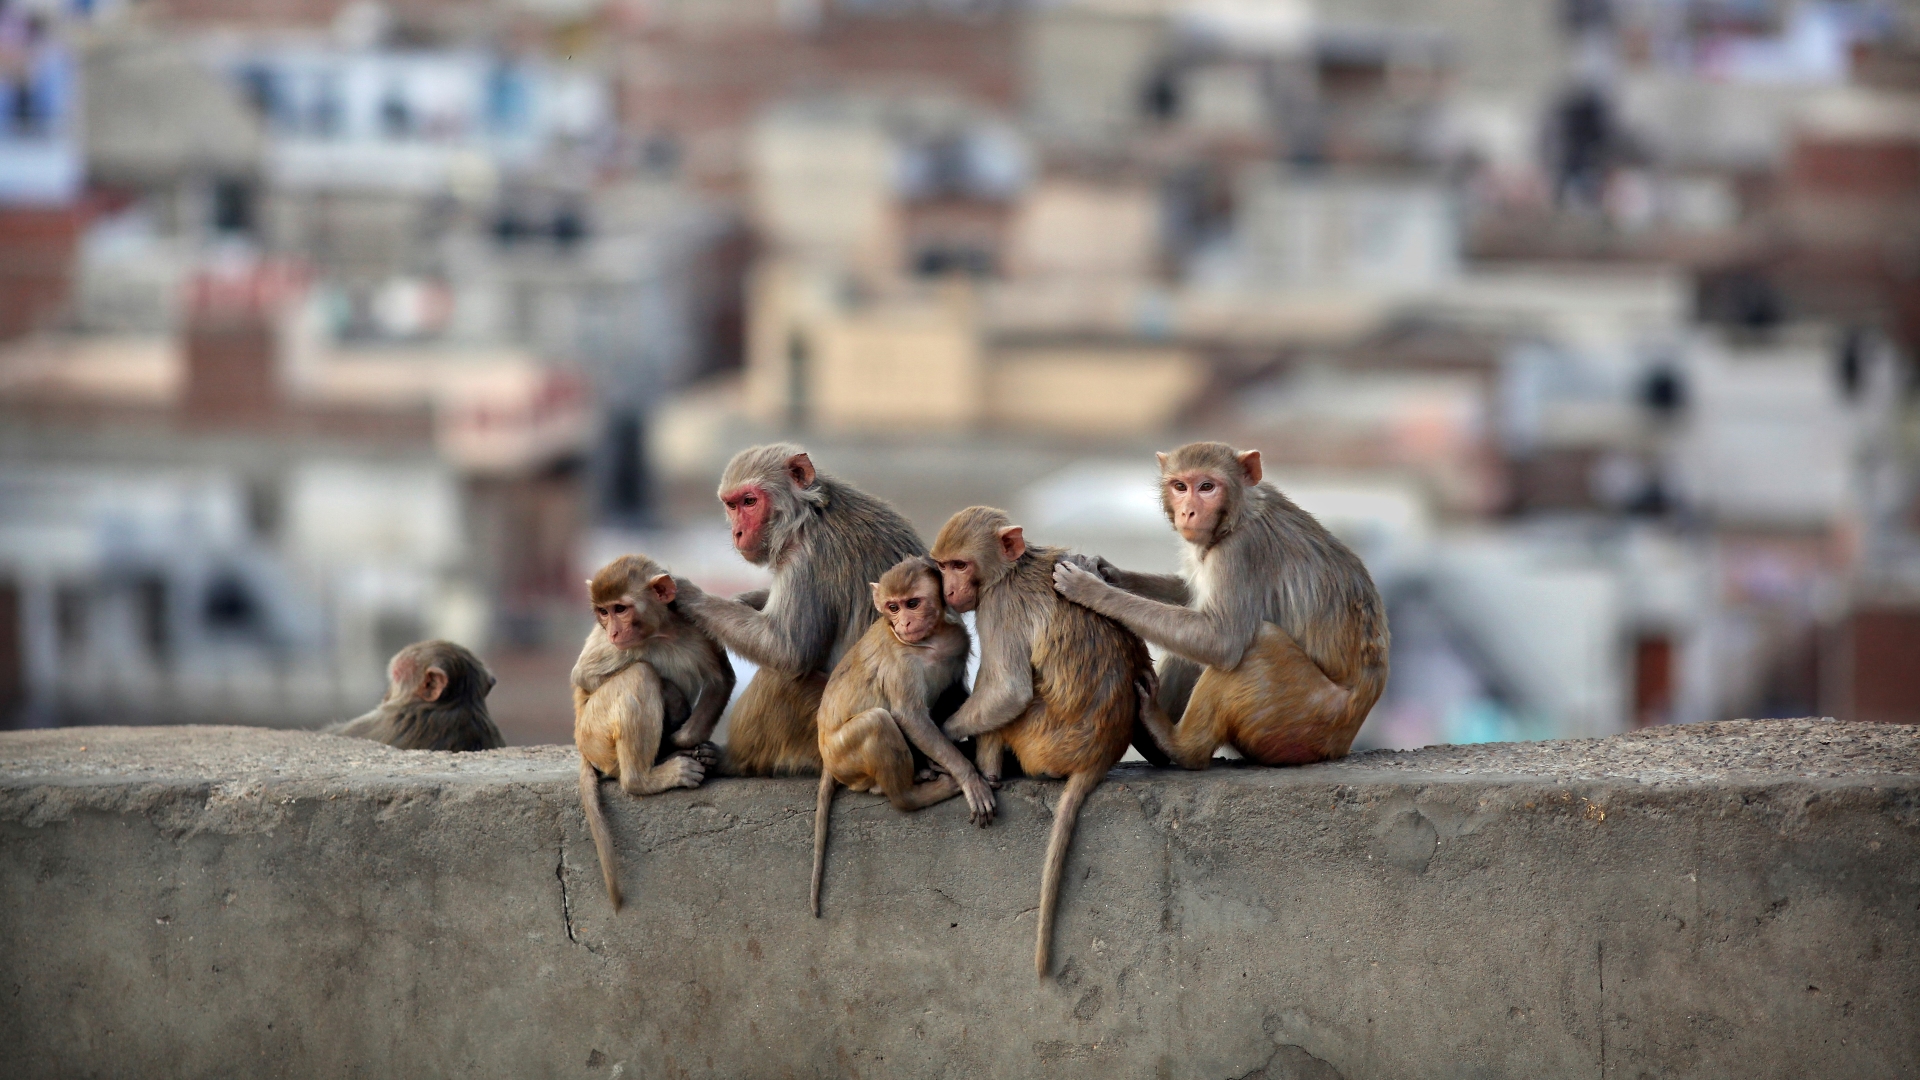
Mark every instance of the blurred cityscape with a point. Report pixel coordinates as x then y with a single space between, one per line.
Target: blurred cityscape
1590 324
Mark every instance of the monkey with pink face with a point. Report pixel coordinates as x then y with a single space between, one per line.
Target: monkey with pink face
824 540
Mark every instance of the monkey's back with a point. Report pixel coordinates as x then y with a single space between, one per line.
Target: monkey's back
1084 666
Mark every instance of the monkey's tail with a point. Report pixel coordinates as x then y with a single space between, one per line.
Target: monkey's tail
597 824
822 815
1079 786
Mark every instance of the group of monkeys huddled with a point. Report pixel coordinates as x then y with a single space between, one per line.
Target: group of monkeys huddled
1275 644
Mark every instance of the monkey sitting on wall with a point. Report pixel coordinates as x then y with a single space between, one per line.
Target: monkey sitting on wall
436 699
880 698
1277 638
647 691
1056 683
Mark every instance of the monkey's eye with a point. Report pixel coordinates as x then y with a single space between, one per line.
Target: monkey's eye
619 609
913 603
893 606
1178 486
1206 485
748 501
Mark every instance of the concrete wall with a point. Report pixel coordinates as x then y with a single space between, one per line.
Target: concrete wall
1724 900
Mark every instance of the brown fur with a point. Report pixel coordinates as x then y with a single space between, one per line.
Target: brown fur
1056 683
825 541
455 719
641 715
879 701
1277 638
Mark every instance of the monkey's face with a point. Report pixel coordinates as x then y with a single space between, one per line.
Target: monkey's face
1195 501
960 580
747 512
913 615
626 620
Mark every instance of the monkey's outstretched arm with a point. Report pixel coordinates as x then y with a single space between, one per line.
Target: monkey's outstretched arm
715 691
1207 637
1003 687
794 645
754 598
917 724
1166 588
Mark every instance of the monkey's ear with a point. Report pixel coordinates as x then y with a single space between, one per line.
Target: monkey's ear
1162 459
432 684
1250 465
1013 543
800 468
662 587
874 588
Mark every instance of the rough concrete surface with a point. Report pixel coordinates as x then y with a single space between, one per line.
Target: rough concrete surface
1722 900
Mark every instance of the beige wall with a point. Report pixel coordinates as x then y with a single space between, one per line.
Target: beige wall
1092 390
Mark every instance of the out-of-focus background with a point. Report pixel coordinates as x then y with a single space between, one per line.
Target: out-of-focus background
1590 324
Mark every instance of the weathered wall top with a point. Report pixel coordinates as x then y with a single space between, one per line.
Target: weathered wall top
1727 899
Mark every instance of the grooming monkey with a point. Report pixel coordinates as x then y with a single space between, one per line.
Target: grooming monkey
1282 617
825 541
880 698
647 691
436 699
1056 683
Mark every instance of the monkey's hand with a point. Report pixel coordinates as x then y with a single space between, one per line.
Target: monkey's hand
1077 583
706 753
683 772
685 591
979 795
1095 564
1147 685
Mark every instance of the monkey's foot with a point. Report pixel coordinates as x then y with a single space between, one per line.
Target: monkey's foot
706 753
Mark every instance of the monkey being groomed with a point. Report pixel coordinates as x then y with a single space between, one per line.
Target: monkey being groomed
880 699
1056 683
1277 638
436 699
647 691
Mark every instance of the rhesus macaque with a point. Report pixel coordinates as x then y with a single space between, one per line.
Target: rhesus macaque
825 541
436 699
1283 618
647 690
1056 681
881 697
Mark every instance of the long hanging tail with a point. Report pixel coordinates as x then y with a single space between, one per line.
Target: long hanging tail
822 815
597 824
1079 786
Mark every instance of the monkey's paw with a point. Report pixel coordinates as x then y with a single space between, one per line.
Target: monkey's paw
979 799
706 753
1076 582
685 772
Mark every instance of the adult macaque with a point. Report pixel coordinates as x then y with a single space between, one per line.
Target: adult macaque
880 698
436 699
647 690
1283 618
825 541
1055 684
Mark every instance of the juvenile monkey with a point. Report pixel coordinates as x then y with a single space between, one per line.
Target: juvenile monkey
880 698
647 691
1056 681
1282 616
825 541
436 699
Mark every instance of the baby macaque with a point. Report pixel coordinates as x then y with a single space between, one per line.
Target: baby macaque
647 691
436 699
880 697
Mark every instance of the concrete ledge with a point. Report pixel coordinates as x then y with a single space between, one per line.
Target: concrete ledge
1724 900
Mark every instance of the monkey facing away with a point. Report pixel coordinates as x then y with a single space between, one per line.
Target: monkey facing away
880 698
1277 637
436 699
1056 683
825 540
647 691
